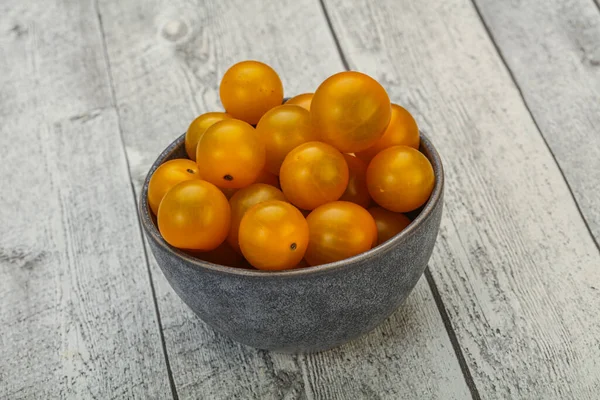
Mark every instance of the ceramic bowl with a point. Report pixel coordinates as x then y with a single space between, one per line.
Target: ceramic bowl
308 309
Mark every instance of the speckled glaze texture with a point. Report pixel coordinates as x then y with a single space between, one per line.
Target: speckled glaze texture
308 309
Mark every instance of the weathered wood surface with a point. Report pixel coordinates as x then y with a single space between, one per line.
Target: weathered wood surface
556 63
167 59
516 267
76 311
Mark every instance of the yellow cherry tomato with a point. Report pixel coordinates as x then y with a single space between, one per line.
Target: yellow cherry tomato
351 111
168 175
356 191
194 215
249 89
243 200
400 179
312 174
302 100
267 178
389 223
402 130
339 230
197 129
230 154
282 129
273 235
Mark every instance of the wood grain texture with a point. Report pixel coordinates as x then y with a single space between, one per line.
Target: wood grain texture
167 59
515 264
76 315
556 63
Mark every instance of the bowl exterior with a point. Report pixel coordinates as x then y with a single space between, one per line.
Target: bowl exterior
312 310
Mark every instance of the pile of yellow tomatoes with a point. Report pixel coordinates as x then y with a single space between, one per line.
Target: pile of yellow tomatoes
274 186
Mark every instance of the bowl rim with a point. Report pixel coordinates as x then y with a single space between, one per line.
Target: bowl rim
151 229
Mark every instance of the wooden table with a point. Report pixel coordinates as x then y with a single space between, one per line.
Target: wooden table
91 91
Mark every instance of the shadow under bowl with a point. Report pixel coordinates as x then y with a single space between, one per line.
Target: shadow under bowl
308 309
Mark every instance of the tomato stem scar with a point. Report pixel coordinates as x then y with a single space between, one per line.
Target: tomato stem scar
228 177
190 170
293 246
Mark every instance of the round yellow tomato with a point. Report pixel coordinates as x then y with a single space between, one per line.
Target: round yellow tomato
356 191
168 175
389 223
197 129
400 179
402 130
282 129
230 154
267 178
351 111
302 100
339 230
243 200
194 215
249 89
273 235
312 174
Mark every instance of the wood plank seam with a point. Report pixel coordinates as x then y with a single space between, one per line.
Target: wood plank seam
430 281
135 197
539 130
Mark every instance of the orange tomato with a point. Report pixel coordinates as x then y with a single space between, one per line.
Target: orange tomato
389 223
400 179
402 130
194 215
168 175
339 230
350 111
312 174
228 192
273 235
302 100
282 129
245 199
267 178
230 154
197 129
356 191
222 255
249 89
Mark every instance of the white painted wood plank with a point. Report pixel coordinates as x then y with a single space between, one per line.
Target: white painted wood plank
161 86
516 267
556 63
76 318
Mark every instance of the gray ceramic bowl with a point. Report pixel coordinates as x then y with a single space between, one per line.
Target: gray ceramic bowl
307 309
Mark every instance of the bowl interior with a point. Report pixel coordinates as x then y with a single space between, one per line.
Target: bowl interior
177 150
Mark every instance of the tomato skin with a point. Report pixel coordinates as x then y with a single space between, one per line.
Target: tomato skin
197 129
389 223
194 215
303 100
230 154
249 89
273 235
168 175
222 255
351 111
402 131
339 230
268 178
242 201
356 191
282 129
400 179
313 174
